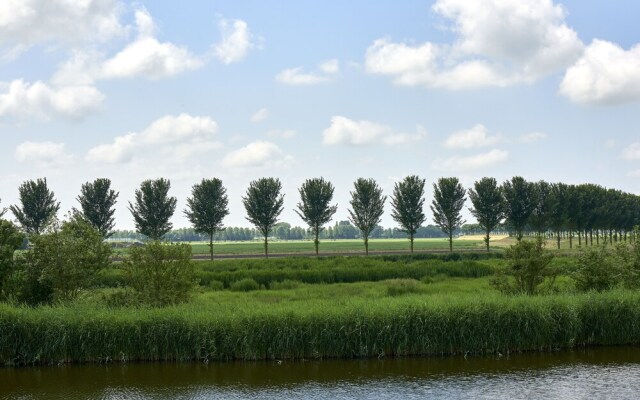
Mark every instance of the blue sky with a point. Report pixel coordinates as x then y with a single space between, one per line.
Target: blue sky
297 89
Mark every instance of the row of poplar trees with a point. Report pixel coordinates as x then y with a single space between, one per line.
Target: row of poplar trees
543 208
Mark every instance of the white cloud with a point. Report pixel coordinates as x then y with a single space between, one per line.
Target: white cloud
180 136
46 154
477 136
530 40
297 75
605 74
347 131
260 115
236 41
330 66
632 152
634 173
532 137
24 23
282 134
23 99
256 154
457 163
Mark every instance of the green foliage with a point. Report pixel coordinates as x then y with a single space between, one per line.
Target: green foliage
60 264
407 202
519 203
161 274
153 208
528 265
97 205
488 205
207 207
558 204
598 269
10 240
448 200
286 284
244 285
315 207
264 203
540 213
398 287
367 207
38 206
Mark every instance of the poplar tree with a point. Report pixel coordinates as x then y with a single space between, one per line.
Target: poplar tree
519 203
315 207
407 202
207 207
38 207
264 203
448 200
367 207
153 208
488 205
97 205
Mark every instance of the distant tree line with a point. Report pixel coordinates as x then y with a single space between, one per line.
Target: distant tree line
585 212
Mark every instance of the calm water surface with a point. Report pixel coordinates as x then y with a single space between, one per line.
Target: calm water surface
612 373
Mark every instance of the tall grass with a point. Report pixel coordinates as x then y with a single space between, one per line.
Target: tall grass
388 326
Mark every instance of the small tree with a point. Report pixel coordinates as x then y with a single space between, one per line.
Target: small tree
407 202
160 274
315 207
38 206
528 263
488 205
367 207
97 205
10 240
519 203
264 203
153 208
207 207
448 200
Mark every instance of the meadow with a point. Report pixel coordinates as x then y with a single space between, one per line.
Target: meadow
349 307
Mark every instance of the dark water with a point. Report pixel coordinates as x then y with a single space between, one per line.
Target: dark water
580 374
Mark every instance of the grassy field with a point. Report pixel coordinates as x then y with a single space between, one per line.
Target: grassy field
317 308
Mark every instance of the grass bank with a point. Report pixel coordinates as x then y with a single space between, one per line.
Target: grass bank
452 316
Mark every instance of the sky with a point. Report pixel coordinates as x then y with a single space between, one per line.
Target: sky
241 90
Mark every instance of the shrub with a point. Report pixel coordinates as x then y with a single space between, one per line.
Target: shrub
398 287
216 286
244 285
60 263
527 265
161 274
10 241
598 269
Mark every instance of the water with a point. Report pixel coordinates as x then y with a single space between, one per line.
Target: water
581 374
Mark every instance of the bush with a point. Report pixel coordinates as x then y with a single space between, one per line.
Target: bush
10 241
245 285
216 286
398 287
161 274
60 264
598 269
528 265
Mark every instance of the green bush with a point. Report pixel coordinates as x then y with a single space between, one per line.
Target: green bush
398 287
598 269
161 274
245 285
10 240
216 285
527 268
60 264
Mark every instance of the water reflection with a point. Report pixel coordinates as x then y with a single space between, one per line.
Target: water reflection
579 374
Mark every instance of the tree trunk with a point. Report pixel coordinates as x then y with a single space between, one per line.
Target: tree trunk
366 245
211 245
579 238
450 241
266 246
317 241
591 237
558 239
411 242
570 240
487 238
597 237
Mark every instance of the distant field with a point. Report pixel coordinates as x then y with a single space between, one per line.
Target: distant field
334 246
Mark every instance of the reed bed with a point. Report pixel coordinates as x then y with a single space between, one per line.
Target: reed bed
414 324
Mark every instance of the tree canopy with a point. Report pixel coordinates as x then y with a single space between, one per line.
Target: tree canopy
97 205
407 205
153 208
367 207
264 203
38 206
448 200
488 205
315 207
207 207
